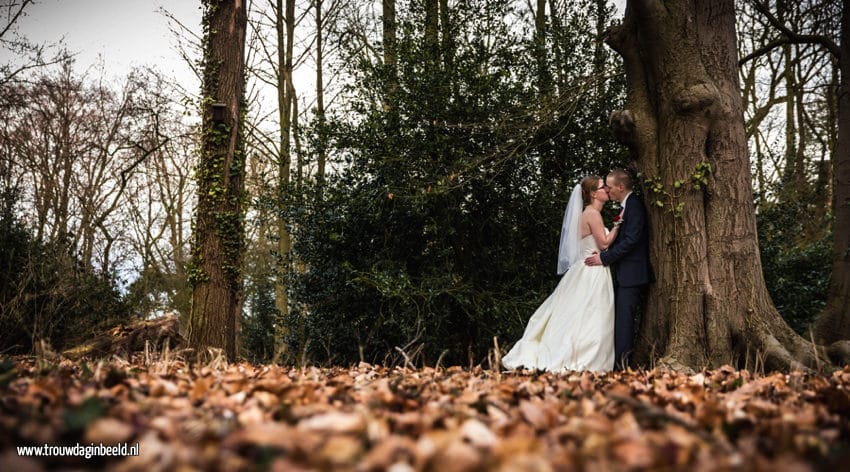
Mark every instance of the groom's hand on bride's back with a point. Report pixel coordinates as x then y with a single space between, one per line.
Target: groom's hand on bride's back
593 260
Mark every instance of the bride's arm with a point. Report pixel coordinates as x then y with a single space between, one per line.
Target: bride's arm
597 228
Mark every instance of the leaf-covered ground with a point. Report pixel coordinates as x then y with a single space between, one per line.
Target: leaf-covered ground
244 417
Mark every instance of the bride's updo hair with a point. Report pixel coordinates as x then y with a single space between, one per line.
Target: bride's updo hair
589 184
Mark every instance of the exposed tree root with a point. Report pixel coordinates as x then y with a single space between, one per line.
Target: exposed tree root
778 357
670 362
839 352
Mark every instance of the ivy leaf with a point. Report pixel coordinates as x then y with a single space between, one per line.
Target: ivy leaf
79 418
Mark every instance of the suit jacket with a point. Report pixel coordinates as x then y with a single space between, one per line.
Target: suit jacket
628 255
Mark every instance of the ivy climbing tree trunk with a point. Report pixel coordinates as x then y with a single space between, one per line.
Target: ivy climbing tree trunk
685 124
215 270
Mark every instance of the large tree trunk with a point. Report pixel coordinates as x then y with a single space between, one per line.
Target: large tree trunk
685 123
218 242
834 323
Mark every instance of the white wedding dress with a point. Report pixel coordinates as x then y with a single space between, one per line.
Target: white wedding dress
574 328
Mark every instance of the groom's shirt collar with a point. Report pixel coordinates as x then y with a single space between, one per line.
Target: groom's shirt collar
624 200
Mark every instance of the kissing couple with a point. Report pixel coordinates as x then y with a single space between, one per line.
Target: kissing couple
587 323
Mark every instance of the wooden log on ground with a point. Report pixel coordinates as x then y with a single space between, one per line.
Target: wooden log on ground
126 338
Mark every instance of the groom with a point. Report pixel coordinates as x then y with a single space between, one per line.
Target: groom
628 257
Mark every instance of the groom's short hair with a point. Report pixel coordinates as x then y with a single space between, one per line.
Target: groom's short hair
621 176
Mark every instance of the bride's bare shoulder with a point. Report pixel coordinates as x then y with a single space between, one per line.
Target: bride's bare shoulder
590 212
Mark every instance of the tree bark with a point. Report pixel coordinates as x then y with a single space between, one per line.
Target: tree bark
218 240
557 50
388 20
320 97
447 49
431 25
544 76
285 33
834 323
709 305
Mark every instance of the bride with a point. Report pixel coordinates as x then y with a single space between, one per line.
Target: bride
574 328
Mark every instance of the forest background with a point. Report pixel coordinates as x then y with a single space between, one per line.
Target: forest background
412 200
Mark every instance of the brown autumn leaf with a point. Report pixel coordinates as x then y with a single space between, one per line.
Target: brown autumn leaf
335 423
370 417
533 413
478 434
633 453
456 456
391 450
12 461
267 434
340 450
200 387
108 431
164 388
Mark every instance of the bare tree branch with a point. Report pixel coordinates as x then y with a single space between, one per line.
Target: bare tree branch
15 17
792 36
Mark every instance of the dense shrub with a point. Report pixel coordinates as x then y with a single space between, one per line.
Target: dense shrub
46 293
258 322
440 231
796 268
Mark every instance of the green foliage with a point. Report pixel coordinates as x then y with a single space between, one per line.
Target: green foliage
46 293
78 418
159 291
700 175
796 270
441 229
662 196
258 325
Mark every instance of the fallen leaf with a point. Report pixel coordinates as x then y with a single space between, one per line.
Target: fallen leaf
108 431
334 422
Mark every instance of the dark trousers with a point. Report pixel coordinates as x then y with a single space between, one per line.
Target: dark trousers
628 301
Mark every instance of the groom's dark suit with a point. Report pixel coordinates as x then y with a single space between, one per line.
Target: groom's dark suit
628 257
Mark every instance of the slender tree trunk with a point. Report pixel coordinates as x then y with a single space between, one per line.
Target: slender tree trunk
320 96
544 77
60 225
447 49
218 240
299 155
789 76
285 34
709 305
431 26
599 55
389 36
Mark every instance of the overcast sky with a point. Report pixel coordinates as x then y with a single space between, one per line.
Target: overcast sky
125 33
